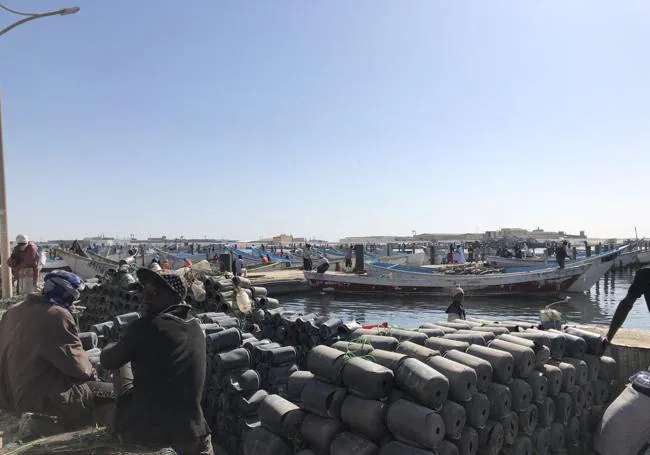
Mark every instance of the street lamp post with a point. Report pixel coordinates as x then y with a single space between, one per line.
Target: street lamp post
4 223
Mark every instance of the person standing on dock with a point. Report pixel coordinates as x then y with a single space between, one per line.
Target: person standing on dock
348 257
456 310
561 254
640 287
307 255
25 261
239 265
461 254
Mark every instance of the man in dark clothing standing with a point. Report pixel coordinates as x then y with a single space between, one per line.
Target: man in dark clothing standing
161 362
561 254
640 287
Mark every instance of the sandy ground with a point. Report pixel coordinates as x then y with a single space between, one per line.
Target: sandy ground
633 338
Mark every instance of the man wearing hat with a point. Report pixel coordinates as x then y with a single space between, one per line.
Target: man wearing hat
160 370
43 366
25 261
456 310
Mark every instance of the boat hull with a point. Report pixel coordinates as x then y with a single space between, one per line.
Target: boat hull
544 282
86 268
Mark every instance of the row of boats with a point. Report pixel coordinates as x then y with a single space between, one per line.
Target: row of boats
88 264
397 274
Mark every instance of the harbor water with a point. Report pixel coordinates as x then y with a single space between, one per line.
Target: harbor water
596 306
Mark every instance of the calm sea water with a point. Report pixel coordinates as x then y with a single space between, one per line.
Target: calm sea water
596 306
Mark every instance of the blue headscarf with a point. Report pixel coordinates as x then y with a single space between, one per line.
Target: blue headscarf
62 288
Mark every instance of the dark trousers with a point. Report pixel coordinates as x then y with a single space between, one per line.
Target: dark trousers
123 385
560 261
322 268
348 262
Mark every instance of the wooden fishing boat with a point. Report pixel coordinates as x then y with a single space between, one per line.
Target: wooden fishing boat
85 267
387 280
540 263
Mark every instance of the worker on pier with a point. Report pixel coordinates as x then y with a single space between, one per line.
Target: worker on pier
456 310
239 265
640 287
159 371
25 262
307 255
348 257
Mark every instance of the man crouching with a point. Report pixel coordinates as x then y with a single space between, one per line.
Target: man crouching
43 366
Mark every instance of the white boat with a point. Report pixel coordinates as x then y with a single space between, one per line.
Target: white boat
86 268
643 257
629 258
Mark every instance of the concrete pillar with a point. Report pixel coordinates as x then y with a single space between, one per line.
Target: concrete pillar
359 259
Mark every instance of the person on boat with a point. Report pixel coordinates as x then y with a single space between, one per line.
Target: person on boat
159 371
561 254
625 426
323 264
25 262
44 368
461 254
239 265
187 263
166 265
640 287
456 310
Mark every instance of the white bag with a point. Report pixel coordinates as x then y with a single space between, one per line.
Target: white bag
198 291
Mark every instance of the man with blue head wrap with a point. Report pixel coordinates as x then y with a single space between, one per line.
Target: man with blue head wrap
43 366
62 288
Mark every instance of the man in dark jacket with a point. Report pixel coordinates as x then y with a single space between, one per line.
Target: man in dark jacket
161 365
561 254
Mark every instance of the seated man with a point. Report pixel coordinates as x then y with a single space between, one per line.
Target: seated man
625 427
323 264
43 366
161 362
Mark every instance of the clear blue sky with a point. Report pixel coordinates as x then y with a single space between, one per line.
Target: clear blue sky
244 119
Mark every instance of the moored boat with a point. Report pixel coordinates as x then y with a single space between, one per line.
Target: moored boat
85 267
380 280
